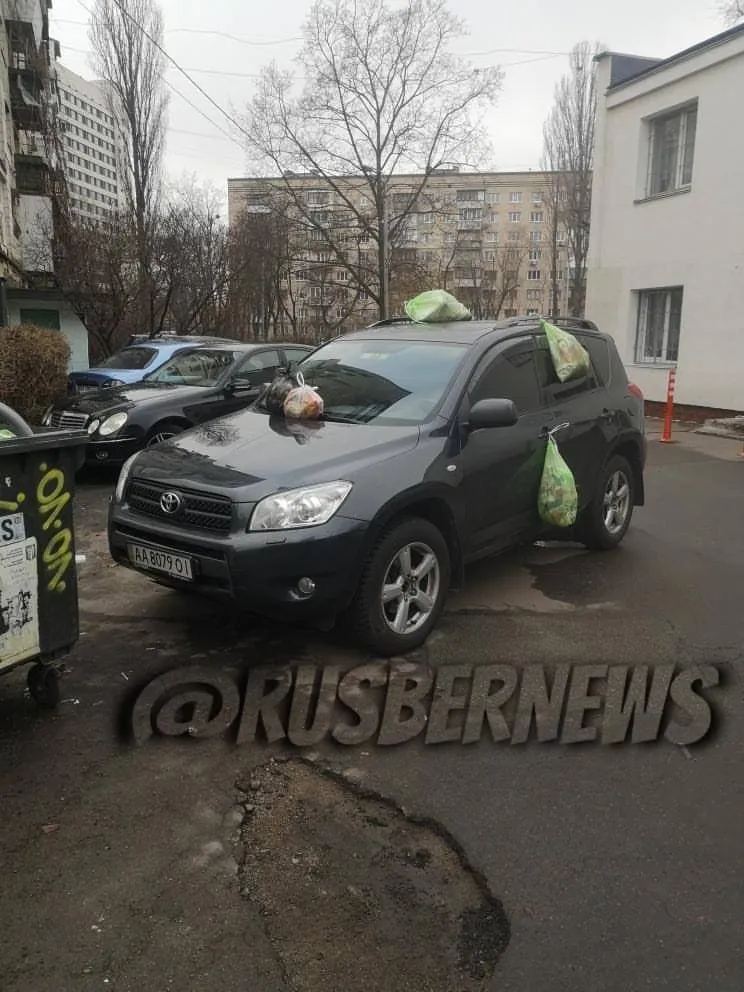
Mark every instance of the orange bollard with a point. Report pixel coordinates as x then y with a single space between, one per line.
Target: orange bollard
666 434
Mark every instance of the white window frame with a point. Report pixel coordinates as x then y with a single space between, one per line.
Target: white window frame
684 151
536 217
534 275
673 299
515 217
515 197
492 237
493 197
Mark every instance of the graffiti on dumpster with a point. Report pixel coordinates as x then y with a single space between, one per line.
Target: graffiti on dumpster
12 505
52 497
19 618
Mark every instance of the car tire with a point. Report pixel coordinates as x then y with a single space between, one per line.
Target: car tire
163 431
605 522
413 542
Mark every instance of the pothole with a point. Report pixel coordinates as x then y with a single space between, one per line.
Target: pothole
355 894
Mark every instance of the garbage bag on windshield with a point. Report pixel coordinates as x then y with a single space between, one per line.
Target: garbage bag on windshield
303 403
436 306
570 358
558 498
277 391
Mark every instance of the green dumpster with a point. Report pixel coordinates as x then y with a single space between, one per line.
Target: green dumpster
38 576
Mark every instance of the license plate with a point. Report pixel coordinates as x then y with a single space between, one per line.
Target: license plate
177 566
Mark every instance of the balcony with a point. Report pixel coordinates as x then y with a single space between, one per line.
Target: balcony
470 225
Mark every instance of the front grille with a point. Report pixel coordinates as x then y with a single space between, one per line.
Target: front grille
68 418
200 510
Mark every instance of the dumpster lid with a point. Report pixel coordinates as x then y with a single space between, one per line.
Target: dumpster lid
42 442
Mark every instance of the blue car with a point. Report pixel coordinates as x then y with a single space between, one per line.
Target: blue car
141 356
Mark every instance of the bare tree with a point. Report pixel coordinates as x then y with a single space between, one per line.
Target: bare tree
383 93
568 156
732 11
124 36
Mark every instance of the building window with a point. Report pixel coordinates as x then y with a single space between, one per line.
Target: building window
537 198
533 275
427 218
514 237
533 294
515 198
535 236
536 217
471 195
469 214
514 217
672 147
531 312
493 197
659 321
492 237
535 254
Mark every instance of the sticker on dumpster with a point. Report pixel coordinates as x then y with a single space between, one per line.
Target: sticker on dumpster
12 528
19 602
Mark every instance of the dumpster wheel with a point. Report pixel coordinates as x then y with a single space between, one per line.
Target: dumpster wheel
43 684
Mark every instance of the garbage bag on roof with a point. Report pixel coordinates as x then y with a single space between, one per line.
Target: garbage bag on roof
570 358
558 500
436 306
303 403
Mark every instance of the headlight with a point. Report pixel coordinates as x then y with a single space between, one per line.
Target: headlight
93 425
113 382
47 418
112 424
123 476
306 507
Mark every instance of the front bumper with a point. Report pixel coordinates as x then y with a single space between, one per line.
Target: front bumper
111 451
259 572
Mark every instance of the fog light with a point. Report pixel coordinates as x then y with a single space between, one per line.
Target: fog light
101 455
306 586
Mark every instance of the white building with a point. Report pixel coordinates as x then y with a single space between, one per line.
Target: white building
90 146
666 257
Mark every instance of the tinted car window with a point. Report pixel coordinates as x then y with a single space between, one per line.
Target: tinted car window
130 358
195 368
511 376
257 368
382 381
295 354
600 352
550 381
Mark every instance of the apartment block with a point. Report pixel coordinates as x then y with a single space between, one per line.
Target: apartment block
666 255
90 146
488 238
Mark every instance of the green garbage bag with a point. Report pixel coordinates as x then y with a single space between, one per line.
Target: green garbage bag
5 434
570 358
436 306
558 499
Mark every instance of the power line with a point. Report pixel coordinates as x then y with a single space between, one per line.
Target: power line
220 34
160 48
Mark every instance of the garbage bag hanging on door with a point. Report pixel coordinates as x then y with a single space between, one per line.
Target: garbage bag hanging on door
558 499
436 306
570 358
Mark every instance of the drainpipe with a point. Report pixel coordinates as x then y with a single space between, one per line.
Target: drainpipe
3 303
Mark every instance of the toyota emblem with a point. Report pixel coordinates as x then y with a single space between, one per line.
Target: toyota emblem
170 502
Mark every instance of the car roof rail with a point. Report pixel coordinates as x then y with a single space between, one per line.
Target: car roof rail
388 321
582 322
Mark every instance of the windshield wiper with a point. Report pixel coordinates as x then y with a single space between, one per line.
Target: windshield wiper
339 419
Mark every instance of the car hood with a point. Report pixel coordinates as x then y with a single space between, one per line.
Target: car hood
251 455
114 398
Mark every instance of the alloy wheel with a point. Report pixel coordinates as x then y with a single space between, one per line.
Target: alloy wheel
616 502
410 589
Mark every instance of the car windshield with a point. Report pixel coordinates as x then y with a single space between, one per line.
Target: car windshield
381 381
195 368
130 358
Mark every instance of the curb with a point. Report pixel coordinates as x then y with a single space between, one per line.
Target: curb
731 427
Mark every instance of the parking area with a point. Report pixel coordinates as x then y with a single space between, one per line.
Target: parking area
184 863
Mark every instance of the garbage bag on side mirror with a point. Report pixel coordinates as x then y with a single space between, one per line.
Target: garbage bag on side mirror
558 500
570 358
436 306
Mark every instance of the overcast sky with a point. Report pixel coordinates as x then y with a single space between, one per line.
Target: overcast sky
223 45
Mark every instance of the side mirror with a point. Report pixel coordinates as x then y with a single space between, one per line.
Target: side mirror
492 413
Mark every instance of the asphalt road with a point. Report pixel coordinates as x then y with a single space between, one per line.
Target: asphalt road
202 864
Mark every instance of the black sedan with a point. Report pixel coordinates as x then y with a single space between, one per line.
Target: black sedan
192 388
